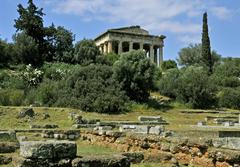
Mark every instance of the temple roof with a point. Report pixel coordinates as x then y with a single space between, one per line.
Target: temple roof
131 30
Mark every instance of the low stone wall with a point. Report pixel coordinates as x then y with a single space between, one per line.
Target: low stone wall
101 161
52 153
227 143
61 134
196 152
8 142
8 136
223 134
8 147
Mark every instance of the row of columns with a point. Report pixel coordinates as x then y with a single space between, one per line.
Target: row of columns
107 47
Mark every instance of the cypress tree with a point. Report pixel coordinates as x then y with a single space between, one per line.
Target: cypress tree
206 48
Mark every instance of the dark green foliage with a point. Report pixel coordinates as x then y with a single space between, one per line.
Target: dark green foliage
47 93
85 52
168 65
11 81
230 98
60 44
206 48
30 22
136 73
196 88
11 97
112 57
52 43
168 83
227 74
93 89
192 55
26 50
4 57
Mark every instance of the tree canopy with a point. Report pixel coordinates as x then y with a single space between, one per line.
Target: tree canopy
136 74
206 48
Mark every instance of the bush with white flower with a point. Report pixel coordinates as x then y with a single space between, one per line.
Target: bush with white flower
32 76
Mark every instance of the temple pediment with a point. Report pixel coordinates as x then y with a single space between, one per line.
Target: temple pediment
132 30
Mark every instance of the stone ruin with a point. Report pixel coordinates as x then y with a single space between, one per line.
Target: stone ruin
61 134
145 125
52 153
8 144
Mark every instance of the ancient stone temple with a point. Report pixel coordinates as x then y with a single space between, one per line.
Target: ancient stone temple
131 38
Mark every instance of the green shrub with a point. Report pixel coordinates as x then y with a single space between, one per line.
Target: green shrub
85 52
229 98
11 97
16 97
47 93
4 97
136 73
93 89
112 57
168 65
168 83
195 88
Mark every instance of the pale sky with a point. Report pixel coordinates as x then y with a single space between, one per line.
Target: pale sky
179 20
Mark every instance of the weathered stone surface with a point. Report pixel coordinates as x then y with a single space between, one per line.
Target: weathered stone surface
144 129
230 143
159 156
46 126
61 134
126 128
64 149
5 159
64 163
8 136
36 149
150 118
8 147
24 162
26 112
46 115
157 130
134 157
50 149
101 161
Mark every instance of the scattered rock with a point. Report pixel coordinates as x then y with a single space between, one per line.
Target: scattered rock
135 157
8 147
46 126
26 112
50 149
46 115
8 136
101 161
5 160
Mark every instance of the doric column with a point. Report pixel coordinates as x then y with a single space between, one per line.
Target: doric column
160 58
130 46
119 47
105 48
151 53
100 48
155 54
141 45
110 48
